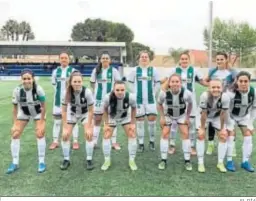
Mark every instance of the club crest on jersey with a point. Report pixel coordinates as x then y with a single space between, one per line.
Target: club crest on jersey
126 104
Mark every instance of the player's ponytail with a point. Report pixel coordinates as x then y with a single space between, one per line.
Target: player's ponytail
113 104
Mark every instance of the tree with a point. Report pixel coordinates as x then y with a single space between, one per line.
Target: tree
174 54
12 30
95 29
231 37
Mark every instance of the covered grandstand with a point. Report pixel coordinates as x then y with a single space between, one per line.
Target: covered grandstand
77 49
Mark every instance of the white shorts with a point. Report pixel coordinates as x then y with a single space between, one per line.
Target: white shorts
74 119
98 107
123 121
240 122
57 110
180 120
146 109
24 117
215 121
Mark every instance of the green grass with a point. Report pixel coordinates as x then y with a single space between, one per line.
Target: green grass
118 180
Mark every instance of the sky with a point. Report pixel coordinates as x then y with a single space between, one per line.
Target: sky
160 24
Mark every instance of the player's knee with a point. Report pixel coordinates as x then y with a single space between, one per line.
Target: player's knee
248 132
107 132
131 132
165 132
15 133
222 137
201 137
184 134
151 117
40 134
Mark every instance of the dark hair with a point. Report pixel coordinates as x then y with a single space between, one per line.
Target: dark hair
186 52
241 73
99 66
113 99
222 54
28 71
70 89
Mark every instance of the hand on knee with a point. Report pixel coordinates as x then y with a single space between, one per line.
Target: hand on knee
165 132
131 131
65 136
40 132
15 132
107 132
223 136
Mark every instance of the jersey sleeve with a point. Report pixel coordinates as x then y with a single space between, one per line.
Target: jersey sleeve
203 101
15 96
54 76
89 97
188 96
156 76
132 100
106 100
93 76
41 94
131 76
198 74
161 97
225 101
116 74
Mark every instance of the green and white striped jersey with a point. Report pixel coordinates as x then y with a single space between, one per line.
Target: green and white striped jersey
60 77
145 81
104 81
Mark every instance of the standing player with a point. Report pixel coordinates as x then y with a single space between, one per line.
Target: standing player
175 104
103 76
242 114
77 107
60 77
188 76
120 108
145 82
28 103
213 108
227 76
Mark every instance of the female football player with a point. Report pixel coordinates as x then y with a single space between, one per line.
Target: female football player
145 83
102 81
189 75
242 114
120 108
77 107
60 76
175 104
227 75
28 103
213 108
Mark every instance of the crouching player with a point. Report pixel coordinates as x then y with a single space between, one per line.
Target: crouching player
242 114
213 109
175 104
119 107
77 107
28 103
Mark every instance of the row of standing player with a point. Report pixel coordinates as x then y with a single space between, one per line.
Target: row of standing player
145 78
